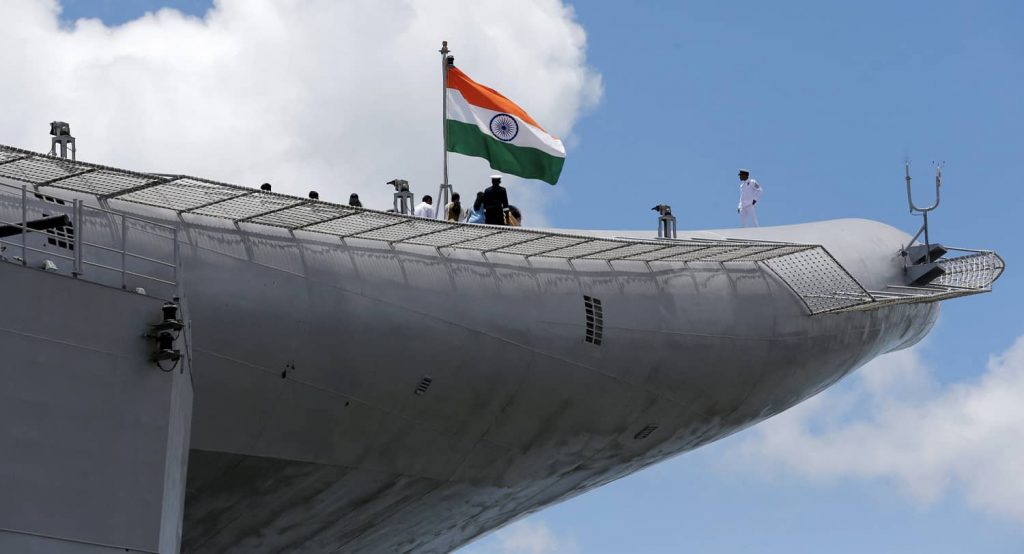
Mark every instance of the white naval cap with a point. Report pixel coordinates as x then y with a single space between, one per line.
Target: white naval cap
496 176
747 171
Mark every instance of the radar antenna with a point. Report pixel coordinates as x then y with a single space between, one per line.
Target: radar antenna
666 221
920 260
403 197
60 133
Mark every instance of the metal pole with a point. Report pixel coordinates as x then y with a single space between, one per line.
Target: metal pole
77 228
444 118
24 225
176 254
910 199
124 248
924 211
927 243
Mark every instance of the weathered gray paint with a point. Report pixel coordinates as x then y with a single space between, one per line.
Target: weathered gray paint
307 435
95 437
340 454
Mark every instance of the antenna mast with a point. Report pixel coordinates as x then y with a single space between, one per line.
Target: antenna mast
919 260
924 211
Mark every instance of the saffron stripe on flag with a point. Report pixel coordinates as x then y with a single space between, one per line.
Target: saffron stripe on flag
486 97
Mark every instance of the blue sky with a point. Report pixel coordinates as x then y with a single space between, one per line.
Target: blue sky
822 101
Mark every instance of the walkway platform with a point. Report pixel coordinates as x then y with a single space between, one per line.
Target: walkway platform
811 272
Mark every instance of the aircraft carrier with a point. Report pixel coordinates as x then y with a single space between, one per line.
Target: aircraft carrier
194 366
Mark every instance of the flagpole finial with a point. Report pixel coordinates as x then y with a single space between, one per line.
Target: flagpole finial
447 60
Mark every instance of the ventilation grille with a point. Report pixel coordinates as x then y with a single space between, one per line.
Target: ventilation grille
62 237
595 320
423 386
645 432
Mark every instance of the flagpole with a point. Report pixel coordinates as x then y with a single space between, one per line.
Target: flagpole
443 194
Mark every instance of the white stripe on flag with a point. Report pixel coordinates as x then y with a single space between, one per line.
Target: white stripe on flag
528 136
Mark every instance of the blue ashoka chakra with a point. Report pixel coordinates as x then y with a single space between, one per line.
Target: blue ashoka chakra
504 127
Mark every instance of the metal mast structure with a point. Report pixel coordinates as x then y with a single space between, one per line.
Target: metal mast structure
445 192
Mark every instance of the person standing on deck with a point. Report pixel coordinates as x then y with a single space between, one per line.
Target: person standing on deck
476 213
425 208
454 210
750 193
495 202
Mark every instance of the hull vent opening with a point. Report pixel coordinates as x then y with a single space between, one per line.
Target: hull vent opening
645 432
61 237
595 320
421 388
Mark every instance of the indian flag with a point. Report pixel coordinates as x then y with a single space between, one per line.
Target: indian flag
483 123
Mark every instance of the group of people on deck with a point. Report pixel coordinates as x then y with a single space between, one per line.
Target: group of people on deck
490 206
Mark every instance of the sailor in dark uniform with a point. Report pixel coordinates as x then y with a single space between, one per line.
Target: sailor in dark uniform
495 202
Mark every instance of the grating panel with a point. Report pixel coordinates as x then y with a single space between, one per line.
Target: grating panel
667 252
701 254
584 248
454 235
355 224
40 169
544 244
248 205
182 194
974 271
499 240
7 155
819 280
775 252
624 251
740 254
407 229
302 215
103 182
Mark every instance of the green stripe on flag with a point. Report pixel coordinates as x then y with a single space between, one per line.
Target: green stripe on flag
530 163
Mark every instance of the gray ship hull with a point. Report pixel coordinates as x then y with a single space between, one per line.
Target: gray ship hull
309 435
354 381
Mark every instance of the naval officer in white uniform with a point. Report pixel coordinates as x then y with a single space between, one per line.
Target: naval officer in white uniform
750 193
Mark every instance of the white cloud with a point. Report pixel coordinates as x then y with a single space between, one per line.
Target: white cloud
897 424
337 96
525 537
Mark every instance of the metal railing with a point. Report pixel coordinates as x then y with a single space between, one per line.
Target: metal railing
118 256
188 196
822 283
